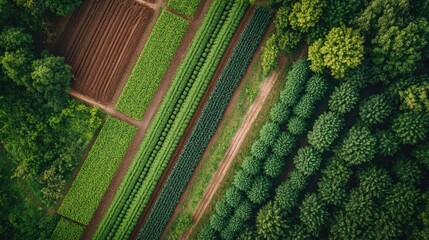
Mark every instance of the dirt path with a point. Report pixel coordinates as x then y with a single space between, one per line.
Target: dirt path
192 122
236 142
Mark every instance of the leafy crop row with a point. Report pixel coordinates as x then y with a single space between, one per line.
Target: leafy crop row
66 230
150 68
97 171
174 114
187 8
207 124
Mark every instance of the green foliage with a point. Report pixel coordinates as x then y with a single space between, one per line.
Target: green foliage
61 8
269 55
359 146
284 145
218 222
279 113
344 98
243 180
387 142
51 76
374 183
333 184
248 234
305 14
411 127
259 149
415 98
397 49
97 171
269 133
234 197
315 56
407 171
325 130
274 166
270 222
295 83
208 233
307 160
149 70
288 192
187 8
260 190
67 230
297 125
316 87
251 165
305 107
402 202
207 125
421 153
12 39
375 109
313 213
288 40
341 51
223 208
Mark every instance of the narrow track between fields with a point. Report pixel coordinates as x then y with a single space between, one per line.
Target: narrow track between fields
235 145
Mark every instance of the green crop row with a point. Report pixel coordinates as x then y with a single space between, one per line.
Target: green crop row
172 118
97 171
206 125
152 64
67 230
187 8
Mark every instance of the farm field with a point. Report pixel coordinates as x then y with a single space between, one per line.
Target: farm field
214 119
100 38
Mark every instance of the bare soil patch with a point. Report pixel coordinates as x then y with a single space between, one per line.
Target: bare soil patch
98 41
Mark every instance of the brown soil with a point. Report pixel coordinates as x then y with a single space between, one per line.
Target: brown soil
98 41
232 151
192 122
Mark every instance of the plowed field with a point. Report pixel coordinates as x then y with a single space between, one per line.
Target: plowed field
99 39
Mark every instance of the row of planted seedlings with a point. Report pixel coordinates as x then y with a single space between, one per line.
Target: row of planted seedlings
254 181
172 118
207 124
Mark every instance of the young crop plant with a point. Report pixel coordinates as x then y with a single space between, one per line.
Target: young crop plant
149 70
172 118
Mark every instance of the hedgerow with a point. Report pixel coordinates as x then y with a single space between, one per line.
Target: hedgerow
149 70
206 125
171 119
97 171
